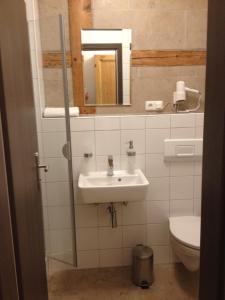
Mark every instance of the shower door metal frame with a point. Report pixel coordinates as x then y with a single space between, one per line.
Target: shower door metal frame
68 136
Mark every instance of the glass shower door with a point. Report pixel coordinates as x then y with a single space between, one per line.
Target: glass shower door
57 184
67 151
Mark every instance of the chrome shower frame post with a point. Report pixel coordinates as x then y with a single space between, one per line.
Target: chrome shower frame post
68 135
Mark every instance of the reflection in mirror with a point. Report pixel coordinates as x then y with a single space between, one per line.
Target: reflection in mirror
106 66
100 77
102 69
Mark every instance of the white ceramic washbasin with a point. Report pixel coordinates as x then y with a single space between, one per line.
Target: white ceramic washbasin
97 187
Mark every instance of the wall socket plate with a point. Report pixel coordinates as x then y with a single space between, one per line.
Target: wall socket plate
154 105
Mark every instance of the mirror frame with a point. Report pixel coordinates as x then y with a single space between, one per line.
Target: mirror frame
119 69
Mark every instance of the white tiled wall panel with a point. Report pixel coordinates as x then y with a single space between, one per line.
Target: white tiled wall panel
174 190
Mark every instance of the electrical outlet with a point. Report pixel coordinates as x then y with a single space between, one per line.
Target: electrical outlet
154 105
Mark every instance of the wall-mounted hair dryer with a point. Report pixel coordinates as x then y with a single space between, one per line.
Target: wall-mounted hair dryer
180 95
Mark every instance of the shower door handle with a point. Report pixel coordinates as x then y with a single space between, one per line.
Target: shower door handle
45 167
38 167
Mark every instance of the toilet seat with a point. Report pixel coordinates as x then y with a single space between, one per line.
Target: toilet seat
186 230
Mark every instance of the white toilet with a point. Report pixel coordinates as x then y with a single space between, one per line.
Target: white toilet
185 239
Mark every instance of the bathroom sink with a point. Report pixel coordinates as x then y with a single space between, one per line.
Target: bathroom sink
98 187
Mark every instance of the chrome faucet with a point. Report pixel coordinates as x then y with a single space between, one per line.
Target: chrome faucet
110 166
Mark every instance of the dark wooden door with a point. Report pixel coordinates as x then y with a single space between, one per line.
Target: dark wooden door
8 276
212 274
20 144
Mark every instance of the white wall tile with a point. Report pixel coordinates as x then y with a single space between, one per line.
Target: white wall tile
107 142
45 218
58 193
53 143
87 238
132 122
158 211
182 187
183 120
43 194
40 146
60 240
199 119
83 142
158 121
82 124
134 213
110 238
156 166
197 207
138 138
59 217
58 169
182 168
197 187
77 198
158 234
53 124
111 257
181 208
127 256
86 216
88 259
159 189
182 133
107 123
133 235
198 168
155 140
199 131
47 242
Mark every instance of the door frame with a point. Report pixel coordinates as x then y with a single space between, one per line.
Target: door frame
20 144
8 274
212 266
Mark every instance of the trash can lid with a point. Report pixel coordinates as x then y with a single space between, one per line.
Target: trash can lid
142 252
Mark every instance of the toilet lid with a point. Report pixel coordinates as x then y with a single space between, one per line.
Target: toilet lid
186 230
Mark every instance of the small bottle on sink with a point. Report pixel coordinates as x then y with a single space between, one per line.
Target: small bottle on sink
131 158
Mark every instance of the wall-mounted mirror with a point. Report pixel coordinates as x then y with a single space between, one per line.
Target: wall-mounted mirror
106 66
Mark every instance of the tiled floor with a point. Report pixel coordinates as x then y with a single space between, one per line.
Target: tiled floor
172 282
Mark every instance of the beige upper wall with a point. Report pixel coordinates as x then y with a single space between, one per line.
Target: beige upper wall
155 24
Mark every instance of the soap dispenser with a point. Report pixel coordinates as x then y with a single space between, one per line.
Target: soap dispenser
131 157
